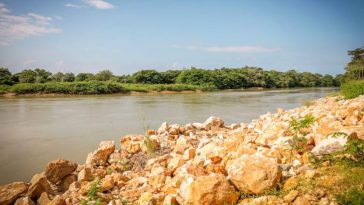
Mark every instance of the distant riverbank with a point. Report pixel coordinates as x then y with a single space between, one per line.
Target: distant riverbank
96 88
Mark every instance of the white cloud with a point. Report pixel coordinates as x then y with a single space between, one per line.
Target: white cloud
73 5
99 4
13 28
230 49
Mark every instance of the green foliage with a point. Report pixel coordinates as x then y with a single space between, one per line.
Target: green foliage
147 77
57 77
92 198
27 76
95 87
103 75
297 125
94 189
69 77
170 76
42 75
195 76
6 77
355 68
299 143
4 89
91 87
84 77
171 80
352 197
352 89
355 148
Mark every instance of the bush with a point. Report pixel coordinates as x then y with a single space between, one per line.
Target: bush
352 89
91 87
4 89
96 87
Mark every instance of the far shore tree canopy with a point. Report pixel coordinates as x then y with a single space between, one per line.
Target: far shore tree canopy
224 78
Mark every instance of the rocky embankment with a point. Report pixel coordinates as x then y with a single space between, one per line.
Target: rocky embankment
280 158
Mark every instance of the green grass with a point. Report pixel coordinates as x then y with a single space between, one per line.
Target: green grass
352 89
96 87
352 197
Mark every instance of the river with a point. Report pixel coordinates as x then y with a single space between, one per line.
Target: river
35 130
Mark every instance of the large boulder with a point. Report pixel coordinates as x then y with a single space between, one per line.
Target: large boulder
210 190
40 184
10 192
57 169
57 200
132 143
25 201
330 145
263 200
254 173
85 174
213 122
43 199
101 155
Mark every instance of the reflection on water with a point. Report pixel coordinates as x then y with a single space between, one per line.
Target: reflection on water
35 130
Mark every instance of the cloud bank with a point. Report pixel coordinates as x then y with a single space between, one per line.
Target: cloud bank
230 49
13 28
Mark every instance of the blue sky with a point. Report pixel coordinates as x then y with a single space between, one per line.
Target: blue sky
128 35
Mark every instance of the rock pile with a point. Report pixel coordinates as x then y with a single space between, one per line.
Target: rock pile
202 163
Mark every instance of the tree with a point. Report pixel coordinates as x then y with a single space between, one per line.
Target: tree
356 54
6 77
327 81
27 76
104 75
69 77
58 77
170 76
355 68
195 76
148 77
42 75
84 76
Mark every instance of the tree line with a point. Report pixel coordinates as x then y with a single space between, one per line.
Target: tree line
224 78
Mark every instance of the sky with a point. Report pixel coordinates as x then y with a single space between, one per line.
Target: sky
125 36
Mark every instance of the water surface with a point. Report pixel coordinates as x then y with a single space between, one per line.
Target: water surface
35 130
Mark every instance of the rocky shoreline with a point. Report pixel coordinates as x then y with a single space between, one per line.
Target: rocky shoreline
280 158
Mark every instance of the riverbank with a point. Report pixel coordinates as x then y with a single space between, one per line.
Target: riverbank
308 155
103 88
96 87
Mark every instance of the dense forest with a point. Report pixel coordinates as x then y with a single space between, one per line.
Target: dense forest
224 78
41 81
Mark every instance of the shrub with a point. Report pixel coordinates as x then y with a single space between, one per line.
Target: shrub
298 125
103 75
4 89
352 89
91 87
